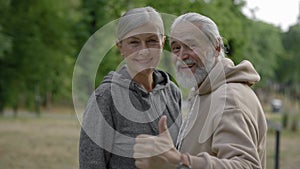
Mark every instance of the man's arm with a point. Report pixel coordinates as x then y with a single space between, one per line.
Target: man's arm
235 144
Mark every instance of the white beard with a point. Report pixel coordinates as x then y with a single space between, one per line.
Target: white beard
187 79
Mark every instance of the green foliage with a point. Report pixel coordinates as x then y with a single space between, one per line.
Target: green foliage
41 54
41 40
263 49
289 71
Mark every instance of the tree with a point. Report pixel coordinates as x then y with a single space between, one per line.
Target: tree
5 49
41 53
289 70
263 48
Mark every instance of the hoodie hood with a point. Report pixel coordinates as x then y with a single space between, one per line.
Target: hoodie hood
123 79
226 72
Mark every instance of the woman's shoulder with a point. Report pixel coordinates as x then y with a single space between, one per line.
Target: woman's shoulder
112 79
104 88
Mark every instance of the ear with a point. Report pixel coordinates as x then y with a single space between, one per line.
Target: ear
163 41
119 45
218 46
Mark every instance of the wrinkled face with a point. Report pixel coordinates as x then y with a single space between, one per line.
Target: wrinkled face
193 54
142 48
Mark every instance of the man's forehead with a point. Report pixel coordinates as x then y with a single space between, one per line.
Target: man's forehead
187 31
186 40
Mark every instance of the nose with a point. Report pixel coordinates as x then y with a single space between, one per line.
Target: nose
144 50
184 53
144 45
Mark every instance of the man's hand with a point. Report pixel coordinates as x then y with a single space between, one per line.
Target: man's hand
153 152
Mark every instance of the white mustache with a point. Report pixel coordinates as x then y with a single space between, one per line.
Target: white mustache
185 62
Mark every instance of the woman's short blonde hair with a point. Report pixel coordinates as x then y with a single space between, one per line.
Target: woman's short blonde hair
137 17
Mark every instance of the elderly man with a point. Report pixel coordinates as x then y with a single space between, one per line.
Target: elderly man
225 126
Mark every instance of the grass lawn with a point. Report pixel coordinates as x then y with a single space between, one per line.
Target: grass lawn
289 150
51 142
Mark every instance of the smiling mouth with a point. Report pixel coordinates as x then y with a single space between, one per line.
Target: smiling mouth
143 61
187 64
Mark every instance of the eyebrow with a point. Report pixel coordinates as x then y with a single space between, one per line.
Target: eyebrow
172 42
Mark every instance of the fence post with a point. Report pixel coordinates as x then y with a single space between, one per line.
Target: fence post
277 148
277 128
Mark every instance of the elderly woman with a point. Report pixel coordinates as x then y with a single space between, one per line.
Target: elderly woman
131 100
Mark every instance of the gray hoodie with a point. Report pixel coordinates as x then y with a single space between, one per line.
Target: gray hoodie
121 109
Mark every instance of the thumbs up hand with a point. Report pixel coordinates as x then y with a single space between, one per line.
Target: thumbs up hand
152 152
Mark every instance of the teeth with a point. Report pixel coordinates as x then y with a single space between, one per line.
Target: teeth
186 63
189 62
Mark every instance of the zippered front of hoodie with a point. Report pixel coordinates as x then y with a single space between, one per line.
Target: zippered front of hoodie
128 105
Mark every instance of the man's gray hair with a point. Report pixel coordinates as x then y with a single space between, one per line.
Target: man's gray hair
137 17
206 25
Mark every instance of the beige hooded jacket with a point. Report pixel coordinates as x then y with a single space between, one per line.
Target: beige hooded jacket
226 126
